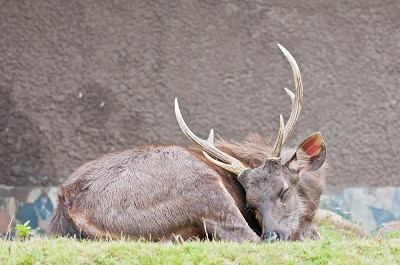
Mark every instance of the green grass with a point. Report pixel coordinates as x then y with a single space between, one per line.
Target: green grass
335 248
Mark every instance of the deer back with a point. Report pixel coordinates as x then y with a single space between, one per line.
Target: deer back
150 192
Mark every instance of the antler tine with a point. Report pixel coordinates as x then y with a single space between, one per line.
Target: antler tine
276 150
234 167
291 94
228 162
297 100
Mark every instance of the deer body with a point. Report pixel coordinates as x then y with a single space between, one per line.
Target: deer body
231 191
146 193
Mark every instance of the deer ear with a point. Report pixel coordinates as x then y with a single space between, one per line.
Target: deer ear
310 155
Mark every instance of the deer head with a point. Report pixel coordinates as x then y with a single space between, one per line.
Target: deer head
271 188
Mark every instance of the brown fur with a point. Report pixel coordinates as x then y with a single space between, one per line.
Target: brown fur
153 192
157 192
255 150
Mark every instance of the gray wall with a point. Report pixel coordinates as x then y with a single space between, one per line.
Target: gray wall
82 78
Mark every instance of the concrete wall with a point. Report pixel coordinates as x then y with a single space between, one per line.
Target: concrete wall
82 78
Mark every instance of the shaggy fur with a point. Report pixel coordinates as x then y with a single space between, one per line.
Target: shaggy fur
158 192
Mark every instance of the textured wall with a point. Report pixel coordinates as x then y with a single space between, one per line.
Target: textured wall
82 78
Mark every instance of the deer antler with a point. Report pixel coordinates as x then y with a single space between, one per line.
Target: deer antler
228 162
276 150
297 101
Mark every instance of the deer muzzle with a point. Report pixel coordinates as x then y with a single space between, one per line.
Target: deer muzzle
272 231
273 236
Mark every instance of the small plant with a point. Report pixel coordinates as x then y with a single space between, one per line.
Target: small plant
393 234
24 230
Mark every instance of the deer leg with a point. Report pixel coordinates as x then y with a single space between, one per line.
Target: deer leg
228 224
228 233
305 232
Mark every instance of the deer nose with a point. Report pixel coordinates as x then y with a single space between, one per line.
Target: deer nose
269 237
272 236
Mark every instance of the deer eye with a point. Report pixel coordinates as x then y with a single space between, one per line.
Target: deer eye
284 192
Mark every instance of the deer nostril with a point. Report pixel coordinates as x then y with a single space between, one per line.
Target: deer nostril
270 237
273 236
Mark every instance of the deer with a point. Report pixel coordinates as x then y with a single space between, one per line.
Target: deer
219 190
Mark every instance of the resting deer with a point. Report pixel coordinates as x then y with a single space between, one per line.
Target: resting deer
228 191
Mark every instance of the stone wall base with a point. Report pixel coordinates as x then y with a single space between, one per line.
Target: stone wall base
370 207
